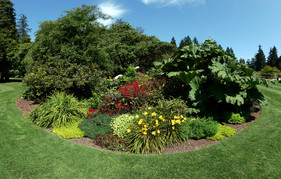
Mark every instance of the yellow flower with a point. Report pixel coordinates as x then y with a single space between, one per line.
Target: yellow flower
137 116
153 114
176 117
145 113
181 116
158 131
144 132
185 118
173 127
140 121
161 117
128 130
149 108
173 122
178 121
153 133
156 121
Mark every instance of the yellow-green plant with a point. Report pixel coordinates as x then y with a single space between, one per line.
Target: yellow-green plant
120 124
223 132
69 132
151 132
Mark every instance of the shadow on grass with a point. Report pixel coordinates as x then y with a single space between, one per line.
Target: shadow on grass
12 80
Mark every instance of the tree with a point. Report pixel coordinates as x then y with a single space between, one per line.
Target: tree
252 63
259 59
23 29
278 64
185 41
173 41
195 41
242 60
230 50
269 72
272 57
8 37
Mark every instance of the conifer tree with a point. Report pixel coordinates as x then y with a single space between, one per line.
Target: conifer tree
259 59
185 41
23 29
173 41
195 41
272 57
8 37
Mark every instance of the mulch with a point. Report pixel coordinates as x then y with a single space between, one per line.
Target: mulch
27 106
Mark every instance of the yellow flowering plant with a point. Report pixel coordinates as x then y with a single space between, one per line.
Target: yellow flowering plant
151 131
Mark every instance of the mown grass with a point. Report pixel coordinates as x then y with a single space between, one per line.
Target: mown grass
27 151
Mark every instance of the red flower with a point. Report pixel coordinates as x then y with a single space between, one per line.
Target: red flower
92 110
90 115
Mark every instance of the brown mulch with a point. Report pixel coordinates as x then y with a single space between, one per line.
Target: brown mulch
27 106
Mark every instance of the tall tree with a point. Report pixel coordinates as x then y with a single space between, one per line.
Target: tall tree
185 41
173 41
23 29
196 41
242 60
272 59
230 50
259 59
278 63
252 63
8 37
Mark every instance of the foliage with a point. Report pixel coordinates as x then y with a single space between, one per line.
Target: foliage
59 110
223 132
172 107
94 126
269 72
202 128
8 37
113 104
120 124
259 59
111 142
23 29
151 131
142 91
70 131
272 57
213 79
42 79
234 118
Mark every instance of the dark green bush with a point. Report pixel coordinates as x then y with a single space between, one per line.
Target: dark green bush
60 110
202 128
94 126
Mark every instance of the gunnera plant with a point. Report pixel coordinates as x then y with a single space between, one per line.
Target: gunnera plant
59 110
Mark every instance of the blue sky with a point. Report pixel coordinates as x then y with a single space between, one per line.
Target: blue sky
240 24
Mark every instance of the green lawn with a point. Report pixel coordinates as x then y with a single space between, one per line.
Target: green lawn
27 151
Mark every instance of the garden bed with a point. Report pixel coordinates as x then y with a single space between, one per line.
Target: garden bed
27 106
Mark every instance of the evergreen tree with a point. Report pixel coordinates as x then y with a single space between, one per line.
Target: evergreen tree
195 41
259 59
278 63
252 63
185 41
23 29
242 60
173 41
230 50
272 57
8 37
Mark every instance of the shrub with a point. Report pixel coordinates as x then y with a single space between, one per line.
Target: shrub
60 110
223 132
234 118
111 142
93 126
269 72
213 78
201 128
120 124
69 132
151 131
172 107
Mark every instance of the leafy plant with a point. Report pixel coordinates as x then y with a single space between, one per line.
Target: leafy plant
234 118
269 72
94 126
202 128
69 132
120 124
223 132
111 142
151 131
59 110
213 78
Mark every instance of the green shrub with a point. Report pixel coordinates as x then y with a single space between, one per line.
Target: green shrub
111 142
151 131
93 126
234 118
172 107
69 132
201 128
120 124
223 132
60 110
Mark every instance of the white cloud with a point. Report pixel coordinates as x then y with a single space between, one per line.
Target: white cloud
111 9
171 2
